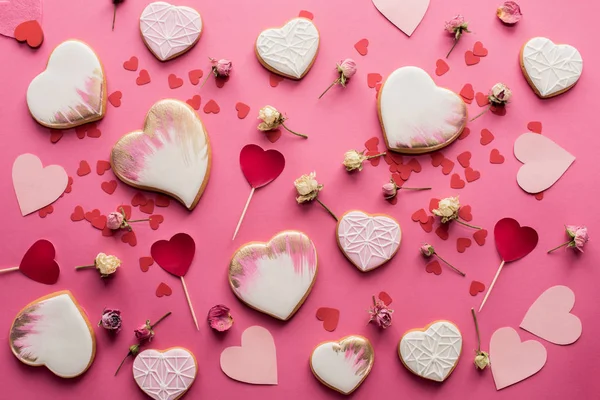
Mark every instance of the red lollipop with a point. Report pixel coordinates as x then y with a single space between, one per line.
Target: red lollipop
38 263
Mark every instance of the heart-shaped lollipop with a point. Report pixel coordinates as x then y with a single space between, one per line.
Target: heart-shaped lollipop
38 263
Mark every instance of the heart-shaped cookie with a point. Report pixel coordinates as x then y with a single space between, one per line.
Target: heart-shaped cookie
275 277
72 89
431 352
406 14
368 241
169 31
54 331
343 365
549 68
165 374
416 115
291 50
171 155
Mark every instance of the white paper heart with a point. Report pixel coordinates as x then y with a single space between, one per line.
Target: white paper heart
275 277
54 331
165 374
368 241
290 50
432 352
550 69
544 162
416 115
405 14
72 89
169 31
343 365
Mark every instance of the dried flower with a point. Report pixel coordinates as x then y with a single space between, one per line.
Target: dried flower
272 119
448 211
105 264
144 332
578 238
482 358
456 26
221 69
509 12
111 320
219 318
427 251
380 314
308 189
115 2
118 220
346 69
498 96
390 189
353 160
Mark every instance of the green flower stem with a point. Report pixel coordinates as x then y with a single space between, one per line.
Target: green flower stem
558 247
330 86
327 208
450 265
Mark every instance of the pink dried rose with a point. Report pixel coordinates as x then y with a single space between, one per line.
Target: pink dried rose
509 12
111 320
118 220
219 318
380 314
427 251
578 237
346 70
221 69
456 26
498 96
144 332
390 189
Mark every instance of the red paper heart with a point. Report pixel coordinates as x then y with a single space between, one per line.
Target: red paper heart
194 102
539 196
386 298
84 168
242 110
487 137
109 187
480 236
115 98
414 165
427 226
211 107
482 99
220 82
44 212
404 171
102 166
195 76
463 135
99 222
163 290
124 208
55 135
373 79
479 50
442 231
433 204
441 67
306 14
89 216
514 241
330 318
129 238
174 81
143 78
260 167
467 93
274 80
362 47
30 32
107 232
434 267
447 166
498 110
496 157
162 201
69 186
80 131
147 208
437 158
420 216
535 126
471 174
396 158
372 144
374 161
145 263
273 135
94 132
464 159
476 287
470 58
456 182
38 263
155 221
131 64
138 200
464 212
462 244
174 255
78 214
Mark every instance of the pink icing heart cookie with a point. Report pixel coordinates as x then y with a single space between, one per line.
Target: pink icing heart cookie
275 277
416 115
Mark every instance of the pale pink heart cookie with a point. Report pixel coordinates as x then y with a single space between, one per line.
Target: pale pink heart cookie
368 241
343 365
72 89
405 14
544 162
513 361
255 361
170 155
416 115
37 186
549 317
275 277
165 374
169 31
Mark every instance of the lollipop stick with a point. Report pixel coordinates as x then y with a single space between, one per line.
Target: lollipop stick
2 271
491 286
237 228
187 296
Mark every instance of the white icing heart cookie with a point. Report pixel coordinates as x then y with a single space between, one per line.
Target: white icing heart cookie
343 365
432 352
169 31
72 89
416 115
549 68
54 331
368 241
165 374
170 155
275 277
291 50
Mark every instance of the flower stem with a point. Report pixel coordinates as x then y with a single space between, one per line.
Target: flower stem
477 330
450 265
85 266
558 247
327 208
114 16
138 220
405 188
481 113
206 80
122 362
330 86
160 319
375 156
452 48
465 224
295 133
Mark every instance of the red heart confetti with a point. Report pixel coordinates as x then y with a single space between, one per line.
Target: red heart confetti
480 235
306 14
162 201
30 32
456 182
373 79
194 102
464 159
155 221
434 267
44 212
362 47
420 216
404 171
274 80
471 58
479 50
428 226
260 167
414 165
539 196
476 287
433 204
107 232
441 67
94 132
55 135
374 161
80 131
131 64
442 231
38 263
242 110
138 199
109 187
462 244
69 185
143 78
84 168
147 208
471 175
174 255
102 166
397 178
195 75
487 137
174 81
514 241
124 208
467 93
482 99
220 82
90 215
99 222
372 144
273 135
464 212
330 318
437 158
465 132
163 290
447 166
535 126
496 157
115 98
77 214
386 298
211 107
129 238
145 263
498 110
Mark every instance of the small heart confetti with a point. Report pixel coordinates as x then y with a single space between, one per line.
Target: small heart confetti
145 263
143 78
131 64
362 47
441 67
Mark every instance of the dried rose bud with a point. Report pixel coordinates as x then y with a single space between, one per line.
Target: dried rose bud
509 12
219 318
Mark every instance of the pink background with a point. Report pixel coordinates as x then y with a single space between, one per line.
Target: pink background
342 120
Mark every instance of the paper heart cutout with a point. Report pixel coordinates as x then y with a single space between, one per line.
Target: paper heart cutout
386 298
37 186
155 221
147 208
550 69
16 12
480 235
171 155
441 67
90 215
255 361
78 214
72 89
291 50
163 290
143 78
242 110
38 263
416 115
434 267
260 167
467 93
476 287
373 79
362 46
129 237
194 102
496 157
513 360
368 240
30 32
174 81
275 277
462 244
54 331
544 162
131 64
487 137
456 182
146 263
306 14
195 76
431 352
406 15
482 99
169 31
479 50
471 174
514 241
471 58
211 107
109 187
139 200
99 222
343 365
274 80
549 317
535 126
174 255
165 374
330 318
115 98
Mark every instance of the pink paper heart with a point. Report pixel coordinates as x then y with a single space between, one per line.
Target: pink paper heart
512 360
37 186
255 361
14 12
406 14
549 317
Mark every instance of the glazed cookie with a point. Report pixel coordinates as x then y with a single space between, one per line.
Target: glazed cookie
275 277
416 115
549 68
170 155
368 241
54 331
169 31
72 89
291 50
165 374
431 352
343 365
